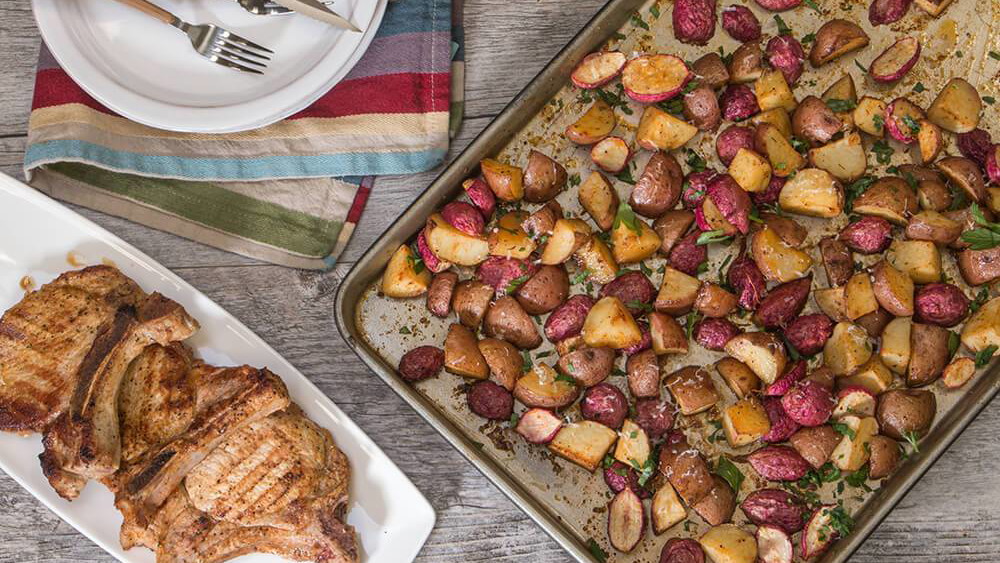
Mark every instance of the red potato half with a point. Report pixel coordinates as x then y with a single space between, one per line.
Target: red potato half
611 154
538 426
901 116
773 545
895 61
626 520
597 69
654 78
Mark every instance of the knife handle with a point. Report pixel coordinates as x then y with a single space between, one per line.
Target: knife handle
150 9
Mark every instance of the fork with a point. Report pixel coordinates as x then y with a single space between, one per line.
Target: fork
269 8
216 44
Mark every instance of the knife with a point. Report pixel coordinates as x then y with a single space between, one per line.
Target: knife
316 10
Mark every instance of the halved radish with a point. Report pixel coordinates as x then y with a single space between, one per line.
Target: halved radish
902 120
538 426
597 69
626 520
654 78
819 533
854 400
993 164
611 154
773 545
895 61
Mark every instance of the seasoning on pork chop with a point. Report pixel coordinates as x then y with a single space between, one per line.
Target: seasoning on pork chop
85 441
45 338
269 472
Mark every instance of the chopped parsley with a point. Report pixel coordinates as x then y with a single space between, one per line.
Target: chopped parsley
989 100
981 298
716 434
861 66
514 419
646 271
812 4
844 429
855 190
985 237
995 55
799 145
710 237
912 439
581 276
858 478
911 124
673 106
614 100
783 28
953 343
573 180
526 365
984 356
840 106
654 10
639 305
415 262
405 330
626 175
646 471
516 283
695 161
878 121
639 22
808 38
627 217
565 378
883 152
595 549
689 322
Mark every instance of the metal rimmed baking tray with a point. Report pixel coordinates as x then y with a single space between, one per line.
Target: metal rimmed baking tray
566 501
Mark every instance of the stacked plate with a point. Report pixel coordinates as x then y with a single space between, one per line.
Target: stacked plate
147 71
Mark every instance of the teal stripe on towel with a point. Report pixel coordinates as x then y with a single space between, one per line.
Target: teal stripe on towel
231 169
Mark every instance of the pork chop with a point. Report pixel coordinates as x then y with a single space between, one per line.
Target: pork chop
46 337
85 441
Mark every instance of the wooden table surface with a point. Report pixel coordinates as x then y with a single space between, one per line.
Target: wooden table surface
951 515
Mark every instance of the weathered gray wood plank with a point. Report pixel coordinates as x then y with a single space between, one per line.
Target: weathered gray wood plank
951 514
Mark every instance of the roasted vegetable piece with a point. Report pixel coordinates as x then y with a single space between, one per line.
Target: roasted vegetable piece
678 292
694 21
814 121
490 401
745 422
701 108
809 403
431 261
816 443
796 372
481 196
668 337
595 124
809 333
837 260
957 107
740 23
506 319
714 333
819 533
568 236
778 5
643 371
505 275
731 140
678 550
470 301
619 476
834 39
402 278
687 255
544 291
906 412
783 303
440 292
778 463
979 266
890 198
658 130
654 78
718 505
965 174
599 199
775 507
893 289
933 226
958 372
462 355
588 366
659 187
671 226
814 192
746 278
504 360
606 404
683 465
609 324
920 259
597 69
853 450
868 235
931 342
738 102
423 362
654 416
506 181
728 543
544 178
692 389
785 53
777 260
941 304
746 63
975 145
782 426
884 457
464 217
451 245
710 70
983 328
584 443
509 239
538 426
762 352
741 379
896 60
542 387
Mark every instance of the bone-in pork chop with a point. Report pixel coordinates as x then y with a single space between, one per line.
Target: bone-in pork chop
85 441
45 338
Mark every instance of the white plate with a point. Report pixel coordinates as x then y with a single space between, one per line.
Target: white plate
148 71
392 518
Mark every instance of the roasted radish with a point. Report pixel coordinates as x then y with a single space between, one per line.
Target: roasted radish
626 520
597 69
773 545
820 532
654 78
895 61
538 426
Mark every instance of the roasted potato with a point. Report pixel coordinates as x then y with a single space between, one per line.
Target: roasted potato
842 89
933 226
440 292
711 70
920 259
783 303
859 296
685 468
750 170
659 187
965 174
957 107
470 301
668 336
714 333
718 505
853 451
746 64
643 371
713 301
462 355
506 319
731 140
784 53
568 236
701 108
453 245
506 181
595 124
832 302
420 363
600 200
544 178
609 324
744 422
509 239
778 118
666 509
931 342
903 412
847 349
773 91
490 400
584 443
834 39
845 159
658 130
403 278
837 261
890 198
893 289
504 360
983 328
941 304
777 260
692 389
588 366
785 160
741 379
868 116
728 543
597 260
671 226
979 266
762 352
958 372
884 458
816 443
632 240
606 404
814 192
542 387
678 292
815 122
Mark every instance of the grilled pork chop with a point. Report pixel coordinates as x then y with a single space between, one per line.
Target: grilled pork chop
45 338
85 442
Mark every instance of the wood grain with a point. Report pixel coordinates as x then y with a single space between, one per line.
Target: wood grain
949 516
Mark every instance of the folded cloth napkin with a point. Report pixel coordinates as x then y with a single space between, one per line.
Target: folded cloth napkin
289 193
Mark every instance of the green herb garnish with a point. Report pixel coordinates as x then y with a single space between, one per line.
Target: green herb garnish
912 438
858 478
709 237
878 121
728 471
919 87
595 549
994 55
984 356
953 343
855 189
655 10
627 217
638 22
883 152
514 419
565 378
783 28
989 100
981 298
639 305
405 330
840 106
844 430
911 124
695 161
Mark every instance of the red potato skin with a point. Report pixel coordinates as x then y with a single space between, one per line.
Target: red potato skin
731 140
687 255
740 23
694 21
779 463
785 53
430 259
619 477
738 102
748 281
781 386
775 507
711 71
809 333
778 5
643 371
782 426
682 550
440 292
671 226
884 12
481 196
645 344
993 165
659 187
490 401
685 468
701 108
606 404
731 200
421 363
975 145
633 289
697 186
498 271
771 194
942 304
464 217
809 403
784 303
655 416
837 261
567 319
897 73
979 266
713 334
869 235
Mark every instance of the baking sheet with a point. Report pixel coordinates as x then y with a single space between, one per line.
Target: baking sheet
566 500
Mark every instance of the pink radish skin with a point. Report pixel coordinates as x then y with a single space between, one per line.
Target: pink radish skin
818 534
896 128
773 545
626 520
895 61
597 69
993 165
654 78
855 400
538 426
611 154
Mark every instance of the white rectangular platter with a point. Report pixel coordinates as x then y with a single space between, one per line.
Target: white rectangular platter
37 235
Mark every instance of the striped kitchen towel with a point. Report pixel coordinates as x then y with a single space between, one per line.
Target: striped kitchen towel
290 193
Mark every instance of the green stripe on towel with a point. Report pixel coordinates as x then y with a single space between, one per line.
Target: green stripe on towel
212 205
